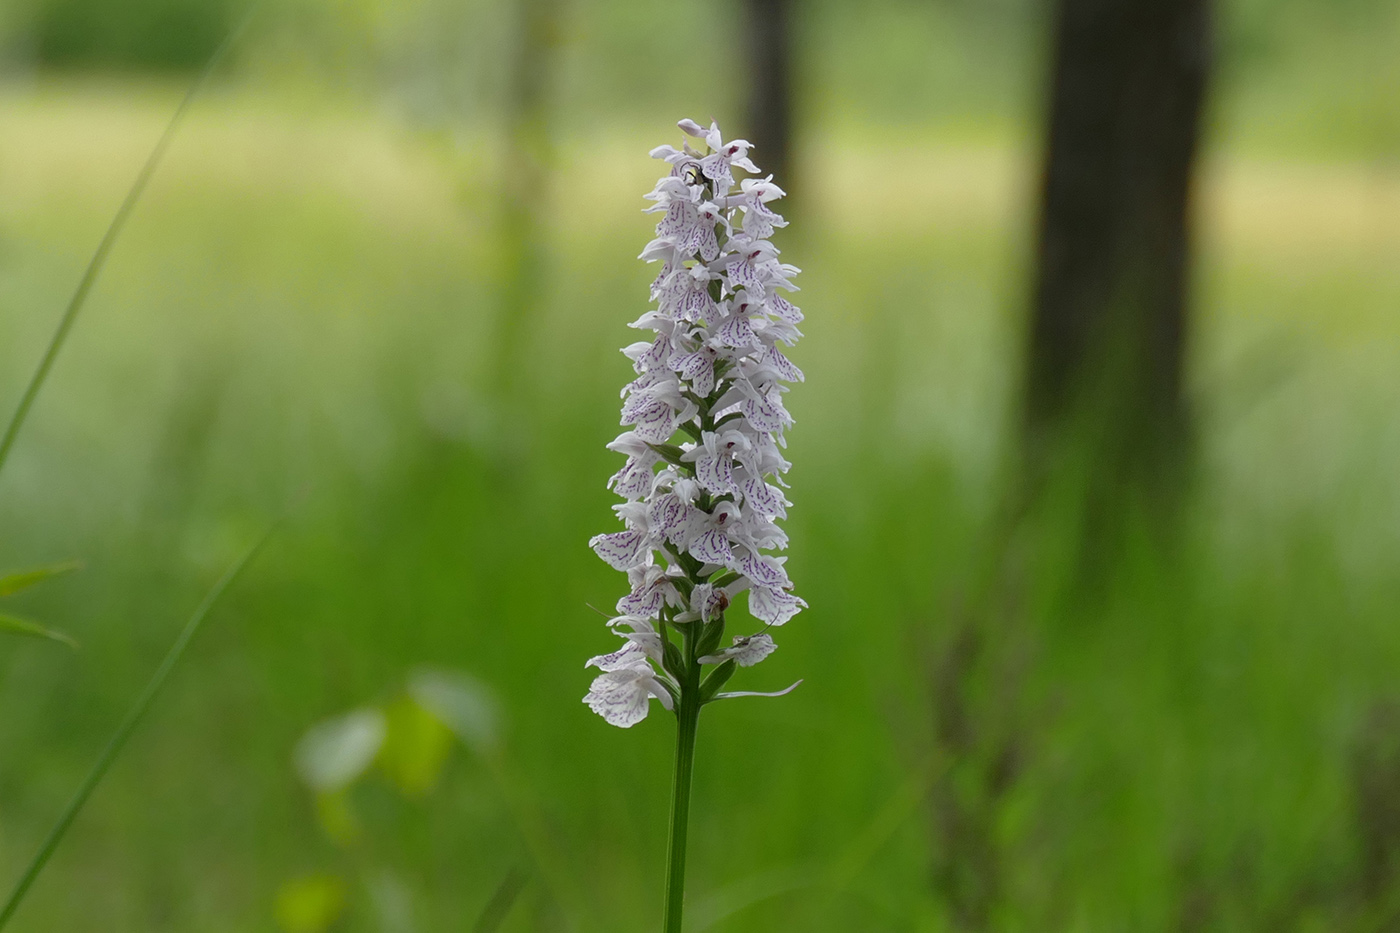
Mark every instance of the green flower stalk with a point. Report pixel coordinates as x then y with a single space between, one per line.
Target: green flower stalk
703 479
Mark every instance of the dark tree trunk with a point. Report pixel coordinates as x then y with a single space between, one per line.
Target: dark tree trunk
768 28
1110 317
524 185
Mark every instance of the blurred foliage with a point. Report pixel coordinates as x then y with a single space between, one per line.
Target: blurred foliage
311 904
1307 67
299 313
302 312
408 737
128 34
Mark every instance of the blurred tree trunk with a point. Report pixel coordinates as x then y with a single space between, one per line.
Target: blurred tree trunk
769 33
1109 324
1106 423
525 187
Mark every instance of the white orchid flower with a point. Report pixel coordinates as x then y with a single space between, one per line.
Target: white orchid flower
705 426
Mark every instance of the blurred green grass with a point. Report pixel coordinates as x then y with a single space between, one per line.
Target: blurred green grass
300 317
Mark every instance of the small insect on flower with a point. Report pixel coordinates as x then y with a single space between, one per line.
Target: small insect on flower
705 422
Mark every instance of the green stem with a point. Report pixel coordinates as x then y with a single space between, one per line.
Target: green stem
687 719
128 725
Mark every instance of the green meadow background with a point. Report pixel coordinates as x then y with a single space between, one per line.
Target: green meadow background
305 318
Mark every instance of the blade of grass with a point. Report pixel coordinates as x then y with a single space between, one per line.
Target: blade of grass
835 877
13 625
496 910
128 725
12 583
530 822
104 247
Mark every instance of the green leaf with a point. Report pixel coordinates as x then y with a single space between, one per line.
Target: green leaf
24 579
691 566
337 817
311 904
673 661
496 909
718 678
415 747
724 579
672 454
700 403
683 584
16 626
710 636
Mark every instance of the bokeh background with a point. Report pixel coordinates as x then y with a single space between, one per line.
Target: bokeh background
378 286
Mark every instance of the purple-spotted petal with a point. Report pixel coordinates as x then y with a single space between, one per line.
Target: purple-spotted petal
715 473
712 547
773 606
633 481
763 414
620 697
623 550
709 601
784 366
764 499
784 309
737 332
749 651
763 570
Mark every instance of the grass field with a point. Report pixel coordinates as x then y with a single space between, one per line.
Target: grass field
300 319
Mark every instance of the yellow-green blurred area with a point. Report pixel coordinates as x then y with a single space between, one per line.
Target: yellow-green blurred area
304 318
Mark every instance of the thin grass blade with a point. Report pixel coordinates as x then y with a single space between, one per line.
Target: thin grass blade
133 719
498 908
23 579
104 247
14 625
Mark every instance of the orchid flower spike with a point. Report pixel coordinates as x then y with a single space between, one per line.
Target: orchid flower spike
704 432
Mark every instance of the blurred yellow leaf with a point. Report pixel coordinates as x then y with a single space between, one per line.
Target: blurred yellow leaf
415 747
336 817
311 904
23 579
